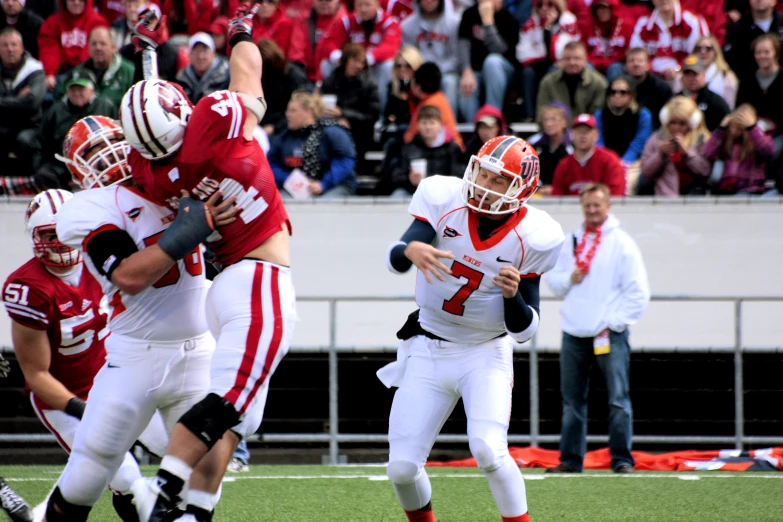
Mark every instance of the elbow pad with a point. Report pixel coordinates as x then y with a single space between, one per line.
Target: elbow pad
527 333
255 105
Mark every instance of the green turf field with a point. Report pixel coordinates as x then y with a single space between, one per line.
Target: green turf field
362 494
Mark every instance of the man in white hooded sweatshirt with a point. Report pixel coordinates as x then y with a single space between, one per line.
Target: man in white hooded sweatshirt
604 285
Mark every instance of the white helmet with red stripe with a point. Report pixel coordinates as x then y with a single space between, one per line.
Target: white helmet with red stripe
154 115
507 156
41 229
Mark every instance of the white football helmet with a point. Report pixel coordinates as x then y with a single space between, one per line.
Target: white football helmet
41 229
154 115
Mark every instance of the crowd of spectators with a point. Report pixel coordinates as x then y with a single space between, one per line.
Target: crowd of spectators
650 97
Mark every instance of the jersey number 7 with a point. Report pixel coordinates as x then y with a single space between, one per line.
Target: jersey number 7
456 305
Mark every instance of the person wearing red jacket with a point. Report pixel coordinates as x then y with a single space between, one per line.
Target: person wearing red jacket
713 14
376 30
190 16
607 37
588 164
272 23
307 36
62 42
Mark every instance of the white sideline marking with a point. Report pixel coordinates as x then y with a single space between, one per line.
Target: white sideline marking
538 476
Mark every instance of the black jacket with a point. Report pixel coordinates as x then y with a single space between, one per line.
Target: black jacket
767 103
444 160
215 79
740 35
19 113
357 97
713 106
28 24
653 93
278 86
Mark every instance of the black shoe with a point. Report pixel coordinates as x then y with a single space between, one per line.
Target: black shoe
14 506
624 468
163 510
562 468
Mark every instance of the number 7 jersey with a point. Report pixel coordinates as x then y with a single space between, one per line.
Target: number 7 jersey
215 155
467 307
172 309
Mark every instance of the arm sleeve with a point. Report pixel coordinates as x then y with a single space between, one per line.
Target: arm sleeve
493 40
49 46
599 122
559 278
559 179
635 290
652 159
342 156
712 146
521 313
108 248
396 261
463 54
643 132
615 177
24 105
27 303
390 43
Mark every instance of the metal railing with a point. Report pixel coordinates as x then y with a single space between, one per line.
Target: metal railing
334 437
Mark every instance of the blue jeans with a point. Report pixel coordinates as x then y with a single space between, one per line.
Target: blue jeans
242 453
576 361
495 74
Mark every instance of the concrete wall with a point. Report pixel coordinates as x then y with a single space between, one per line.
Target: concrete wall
691 247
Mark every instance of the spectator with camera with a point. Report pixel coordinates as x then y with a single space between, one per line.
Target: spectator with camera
589 163
434 30
743 151
694 85
623 126
21 96
432 152
673 161
16 16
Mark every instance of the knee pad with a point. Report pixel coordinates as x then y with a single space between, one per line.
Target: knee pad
60 510
487 458
210 418
402 472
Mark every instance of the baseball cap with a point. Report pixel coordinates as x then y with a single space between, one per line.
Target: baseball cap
201 38
489 121
82 77
585 119
693 63
219 26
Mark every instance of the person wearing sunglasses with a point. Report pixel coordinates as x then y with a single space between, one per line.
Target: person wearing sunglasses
720 79
673 161
623 126
694 84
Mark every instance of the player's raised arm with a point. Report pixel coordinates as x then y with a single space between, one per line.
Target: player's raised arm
148 33
245 66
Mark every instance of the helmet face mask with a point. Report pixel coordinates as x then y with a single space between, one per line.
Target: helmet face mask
41 229
507 156
96 153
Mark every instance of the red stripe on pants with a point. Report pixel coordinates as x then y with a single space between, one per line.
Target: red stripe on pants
51 428
274 344
253 337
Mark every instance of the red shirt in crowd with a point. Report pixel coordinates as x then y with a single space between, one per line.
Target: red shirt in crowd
604 166
302 50
607 43
62 41
382 44
277 28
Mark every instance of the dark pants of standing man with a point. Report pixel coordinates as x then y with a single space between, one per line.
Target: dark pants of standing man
576 361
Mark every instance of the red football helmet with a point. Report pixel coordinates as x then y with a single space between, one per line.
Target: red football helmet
95 152
507 156
40 225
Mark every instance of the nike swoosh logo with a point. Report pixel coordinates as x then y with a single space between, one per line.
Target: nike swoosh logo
110 365
499 260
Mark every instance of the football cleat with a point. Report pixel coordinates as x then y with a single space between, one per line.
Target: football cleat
238 466
13 505
152 505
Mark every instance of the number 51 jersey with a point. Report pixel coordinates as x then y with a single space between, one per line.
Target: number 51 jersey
172 309
467 307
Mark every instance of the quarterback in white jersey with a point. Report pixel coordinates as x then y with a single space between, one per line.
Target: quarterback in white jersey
159 350
480 252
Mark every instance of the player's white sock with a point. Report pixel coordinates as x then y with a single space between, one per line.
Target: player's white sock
201 499
416 494
508 488
128 472
177 467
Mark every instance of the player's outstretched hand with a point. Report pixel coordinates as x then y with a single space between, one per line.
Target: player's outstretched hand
427 259
223 212
508 281
149 32
5 367
242 21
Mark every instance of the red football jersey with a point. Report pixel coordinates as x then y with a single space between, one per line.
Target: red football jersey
215 155
71 316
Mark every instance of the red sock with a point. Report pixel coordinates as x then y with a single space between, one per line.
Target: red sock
521 518
424 514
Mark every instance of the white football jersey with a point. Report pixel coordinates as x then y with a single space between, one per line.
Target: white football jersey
172 309
468 307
